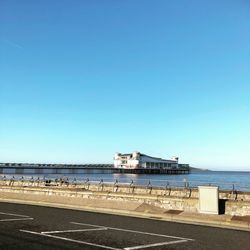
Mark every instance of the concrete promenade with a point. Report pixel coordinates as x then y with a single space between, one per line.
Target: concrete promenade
111 199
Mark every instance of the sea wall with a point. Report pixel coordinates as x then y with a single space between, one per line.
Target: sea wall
121 196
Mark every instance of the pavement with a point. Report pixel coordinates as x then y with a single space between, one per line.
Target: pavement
142 211
24 226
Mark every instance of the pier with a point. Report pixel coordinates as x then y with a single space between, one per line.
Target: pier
24 168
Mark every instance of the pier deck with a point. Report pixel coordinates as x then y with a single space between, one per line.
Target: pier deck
81 169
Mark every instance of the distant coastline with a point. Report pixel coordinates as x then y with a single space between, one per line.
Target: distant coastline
192 169
195 170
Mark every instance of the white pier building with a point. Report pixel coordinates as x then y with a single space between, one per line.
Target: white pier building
138 160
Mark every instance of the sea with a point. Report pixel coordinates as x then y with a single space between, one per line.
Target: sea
225 180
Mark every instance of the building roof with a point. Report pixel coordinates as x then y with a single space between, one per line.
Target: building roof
157 158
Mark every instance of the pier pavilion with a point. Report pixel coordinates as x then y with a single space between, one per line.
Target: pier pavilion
138 160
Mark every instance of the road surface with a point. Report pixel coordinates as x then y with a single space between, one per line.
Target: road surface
37 227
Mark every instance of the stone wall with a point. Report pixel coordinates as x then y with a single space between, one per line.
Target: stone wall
130 196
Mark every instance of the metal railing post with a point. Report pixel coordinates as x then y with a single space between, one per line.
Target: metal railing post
101 185
86 183
149 187
131 186
116 186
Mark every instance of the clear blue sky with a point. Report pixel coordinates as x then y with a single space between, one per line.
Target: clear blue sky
80 80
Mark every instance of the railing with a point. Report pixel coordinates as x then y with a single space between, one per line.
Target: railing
146 183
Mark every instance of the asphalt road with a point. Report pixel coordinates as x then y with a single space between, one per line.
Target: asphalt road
37 227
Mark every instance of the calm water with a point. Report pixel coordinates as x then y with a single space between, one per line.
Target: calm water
224 179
